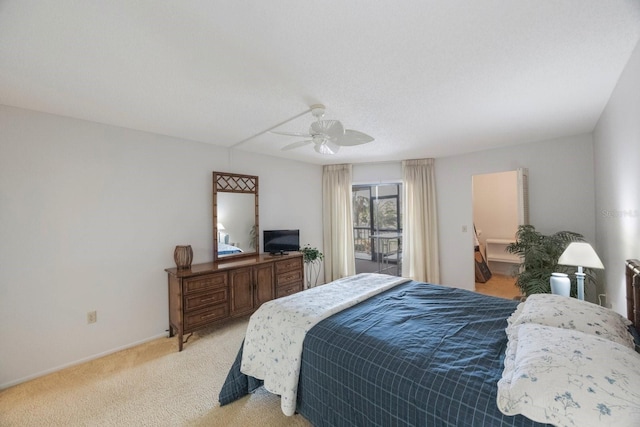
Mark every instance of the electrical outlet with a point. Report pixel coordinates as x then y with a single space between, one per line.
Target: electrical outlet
92 316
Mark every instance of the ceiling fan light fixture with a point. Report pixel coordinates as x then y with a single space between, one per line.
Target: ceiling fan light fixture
330 128
327 148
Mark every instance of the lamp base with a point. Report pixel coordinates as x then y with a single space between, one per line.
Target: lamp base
580 282
560 284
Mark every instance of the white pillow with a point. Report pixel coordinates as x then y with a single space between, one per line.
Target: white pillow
571 313
569 378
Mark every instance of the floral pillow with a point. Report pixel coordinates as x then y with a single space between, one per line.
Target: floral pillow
571 313
569 378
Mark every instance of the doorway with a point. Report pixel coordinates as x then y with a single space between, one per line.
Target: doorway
500 205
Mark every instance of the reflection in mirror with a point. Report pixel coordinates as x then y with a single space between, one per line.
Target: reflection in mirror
235 215
236 219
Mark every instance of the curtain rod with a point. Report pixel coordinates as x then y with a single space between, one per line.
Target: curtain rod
377 163
389 161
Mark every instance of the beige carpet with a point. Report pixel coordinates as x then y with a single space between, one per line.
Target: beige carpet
149 385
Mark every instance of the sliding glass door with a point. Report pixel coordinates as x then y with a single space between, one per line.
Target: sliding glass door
377 222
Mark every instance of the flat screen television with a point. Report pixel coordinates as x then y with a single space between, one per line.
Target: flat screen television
281 241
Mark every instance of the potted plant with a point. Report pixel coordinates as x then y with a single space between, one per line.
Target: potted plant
312 258
253 236
539 254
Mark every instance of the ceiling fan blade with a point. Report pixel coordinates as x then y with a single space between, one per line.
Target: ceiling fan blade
331 128
353 137
305 135
327 147
327 136
296 145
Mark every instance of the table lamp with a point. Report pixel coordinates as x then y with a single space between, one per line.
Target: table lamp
580 254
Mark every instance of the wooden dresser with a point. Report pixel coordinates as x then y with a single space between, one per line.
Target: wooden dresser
210 293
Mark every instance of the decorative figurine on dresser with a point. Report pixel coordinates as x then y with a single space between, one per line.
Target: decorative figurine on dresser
238 280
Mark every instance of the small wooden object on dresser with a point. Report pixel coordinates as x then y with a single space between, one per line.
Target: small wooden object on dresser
211 293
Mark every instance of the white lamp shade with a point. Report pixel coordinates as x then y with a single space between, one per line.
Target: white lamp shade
580 254
220 226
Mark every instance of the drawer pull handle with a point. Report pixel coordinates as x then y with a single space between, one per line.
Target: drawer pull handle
289 277
206 316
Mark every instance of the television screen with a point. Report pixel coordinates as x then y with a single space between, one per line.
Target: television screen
280 241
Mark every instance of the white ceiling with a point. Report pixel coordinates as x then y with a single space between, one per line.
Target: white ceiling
424 78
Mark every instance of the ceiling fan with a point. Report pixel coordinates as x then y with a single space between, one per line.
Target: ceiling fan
326 135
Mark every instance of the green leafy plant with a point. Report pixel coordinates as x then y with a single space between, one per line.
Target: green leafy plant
539 254
253 236
312 258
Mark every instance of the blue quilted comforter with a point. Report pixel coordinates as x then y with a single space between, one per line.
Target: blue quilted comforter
418 354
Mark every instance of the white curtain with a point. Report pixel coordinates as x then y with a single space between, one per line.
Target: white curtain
420 259
339 256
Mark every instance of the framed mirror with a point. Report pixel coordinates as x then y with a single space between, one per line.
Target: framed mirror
235 215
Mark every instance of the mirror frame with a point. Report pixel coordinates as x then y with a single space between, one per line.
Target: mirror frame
224 182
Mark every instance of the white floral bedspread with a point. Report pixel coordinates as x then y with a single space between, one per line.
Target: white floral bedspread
273 344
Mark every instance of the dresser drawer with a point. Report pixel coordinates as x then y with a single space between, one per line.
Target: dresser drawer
203 283
201 300
288 278
205 316
288 290
288 265
211 293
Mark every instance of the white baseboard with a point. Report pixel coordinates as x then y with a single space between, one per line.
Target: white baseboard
78 362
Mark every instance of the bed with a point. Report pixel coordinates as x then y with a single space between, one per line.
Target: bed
226 249
423 354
